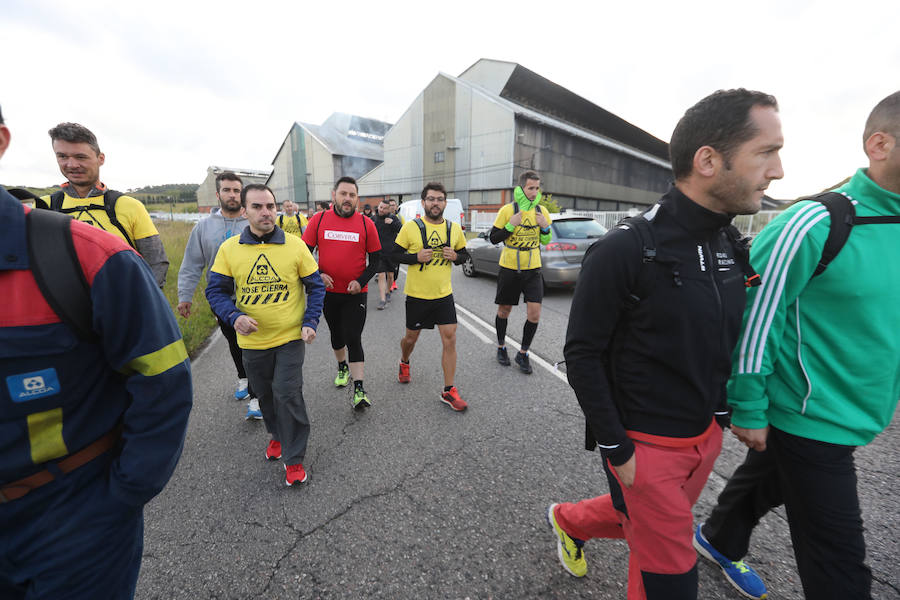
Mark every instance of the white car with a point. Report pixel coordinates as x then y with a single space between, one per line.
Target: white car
413 209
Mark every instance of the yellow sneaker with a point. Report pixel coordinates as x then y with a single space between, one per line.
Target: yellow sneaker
569 550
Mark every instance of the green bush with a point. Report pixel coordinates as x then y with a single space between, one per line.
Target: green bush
196 329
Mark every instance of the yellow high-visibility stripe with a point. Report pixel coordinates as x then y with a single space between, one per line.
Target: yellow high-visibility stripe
45 435
160 361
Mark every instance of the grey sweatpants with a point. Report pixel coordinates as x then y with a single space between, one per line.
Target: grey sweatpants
276 376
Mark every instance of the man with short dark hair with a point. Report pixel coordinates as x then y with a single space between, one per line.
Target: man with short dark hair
268 271
395 211
87 199
322 206
522 226
816 375
431 246
202 245
349 254
654 319
388 226
94 404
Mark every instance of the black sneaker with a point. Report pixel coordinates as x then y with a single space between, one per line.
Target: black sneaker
523 362
502 356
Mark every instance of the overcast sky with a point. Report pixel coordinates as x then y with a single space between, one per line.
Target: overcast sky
171 87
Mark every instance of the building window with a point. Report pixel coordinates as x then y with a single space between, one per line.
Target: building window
438 157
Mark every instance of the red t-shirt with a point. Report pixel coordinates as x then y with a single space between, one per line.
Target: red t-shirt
343 245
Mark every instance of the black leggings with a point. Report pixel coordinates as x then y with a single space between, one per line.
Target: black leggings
346 317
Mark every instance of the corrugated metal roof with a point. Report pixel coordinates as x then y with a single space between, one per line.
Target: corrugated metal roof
350 135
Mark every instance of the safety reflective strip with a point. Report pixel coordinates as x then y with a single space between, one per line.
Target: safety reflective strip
45 434
160 361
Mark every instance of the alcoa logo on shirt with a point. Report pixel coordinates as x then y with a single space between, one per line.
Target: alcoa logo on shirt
341 236
31 386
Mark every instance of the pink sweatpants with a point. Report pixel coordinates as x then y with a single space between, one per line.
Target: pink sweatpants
659 525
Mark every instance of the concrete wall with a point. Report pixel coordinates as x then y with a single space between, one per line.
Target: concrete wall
439 132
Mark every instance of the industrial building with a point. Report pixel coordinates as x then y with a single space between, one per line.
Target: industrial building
206 193
312 157
478 132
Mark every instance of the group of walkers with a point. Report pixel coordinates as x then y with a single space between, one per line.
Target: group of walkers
678 329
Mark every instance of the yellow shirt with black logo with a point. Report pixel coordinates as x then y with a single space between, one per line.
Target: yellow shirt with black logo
267 287
130 212
524 244
432 281
289 224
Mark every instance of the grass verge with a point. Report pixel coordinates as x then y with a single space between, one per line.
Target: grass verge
197 328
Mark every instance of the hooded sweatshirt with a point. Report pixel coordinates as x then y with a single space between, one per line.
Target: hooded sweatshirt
204 242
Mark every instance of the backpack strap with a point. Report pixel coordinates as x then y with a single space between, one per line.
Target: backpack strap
24 195
56 200
741 247
57 271
421 225
110 197
281 221
644 283
842 213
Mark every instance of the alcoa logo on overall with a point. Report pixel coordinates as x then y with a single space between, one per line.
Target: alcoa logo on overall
34 385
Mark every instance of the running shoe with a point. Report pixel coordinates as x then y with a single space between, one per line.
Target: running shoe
451 398
569 550
381 304
403 375
253 411
523 362
502 356
343 376
241 391
394 286
273 451
294 474
387 297
360 399
738 573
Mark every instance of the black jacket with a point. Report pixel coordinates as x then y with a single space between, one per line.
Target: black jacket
659 367
387 232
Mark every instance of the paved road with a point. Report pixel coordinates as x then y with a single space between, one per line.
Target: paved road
412 500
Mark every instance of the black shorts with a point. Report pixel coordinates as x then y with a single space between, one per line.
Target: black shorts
511 284
385 265
425 314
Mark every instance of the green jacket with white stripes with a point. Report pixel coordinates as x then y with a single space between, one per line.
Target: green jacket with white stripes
820 357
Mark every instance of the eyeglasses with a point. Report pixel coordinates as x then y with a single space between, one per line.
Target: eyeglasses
434 198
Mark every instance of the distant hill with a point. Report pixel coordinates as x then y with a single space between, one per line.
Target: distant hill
149 194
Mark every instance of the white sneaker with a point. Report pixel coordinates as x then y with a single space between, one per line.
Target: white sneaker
253 411
241 391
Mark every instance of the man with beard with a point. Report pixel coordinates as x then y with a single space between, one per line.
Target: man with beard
816 375
522 226
345 238
388 227
87 199
654 319
431 246
267 271
200 252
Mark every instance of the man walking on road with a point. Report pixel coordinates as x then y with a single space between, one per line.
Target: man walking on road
431 246
388 227
344 239
816 374
87 199
654 319
94 404
522 226
395 211
291 220
200 252
265 268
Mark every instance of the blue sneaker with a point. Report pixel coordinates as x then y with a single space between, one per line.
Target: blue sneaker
253 411
241 391
739 574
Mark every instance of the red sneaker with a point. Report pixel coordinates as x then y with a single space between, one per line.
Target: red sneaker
294 474
273 451
453 400
403 375
393 286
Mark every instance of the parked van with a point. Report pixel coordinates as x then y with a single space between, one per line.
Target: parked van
413 209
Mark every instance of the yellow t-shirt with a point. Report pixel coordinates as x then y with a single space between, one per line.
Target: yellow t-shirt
130 212
433 279
525 237
268 287
289 224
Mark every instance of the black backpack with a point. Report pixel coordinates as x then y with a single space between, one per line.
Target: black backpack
424 235
110 197
55 266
